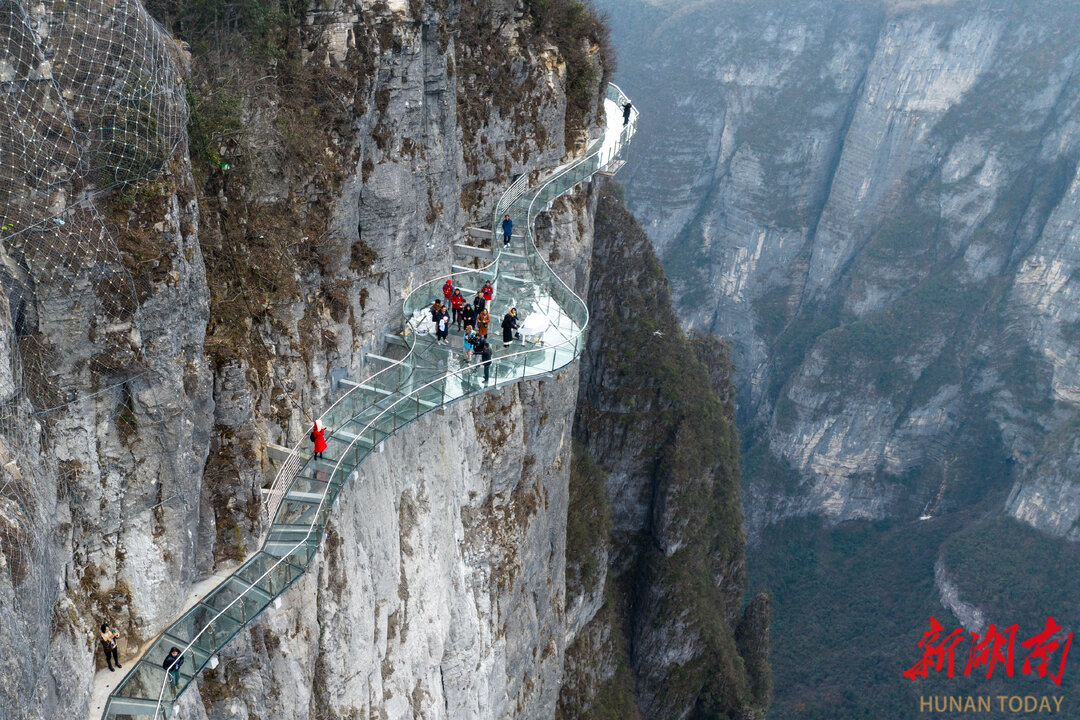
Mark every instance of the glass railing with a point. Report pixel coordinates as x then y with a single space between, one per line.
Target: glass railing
305 489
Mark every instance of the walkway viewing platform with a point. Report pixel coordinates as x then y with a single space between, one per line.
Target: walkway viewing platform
422 377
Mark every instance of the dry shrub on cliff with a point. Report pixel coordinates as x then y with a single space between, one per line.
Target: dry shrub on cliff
491 73
584 41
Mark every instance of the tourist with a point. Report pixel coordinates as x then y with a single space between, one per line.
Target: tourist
485 357
447 288
482 322
442 328
172 663
487 291
508 231
318 436
626 113
510 326
469 341
468 315
457 301
108 643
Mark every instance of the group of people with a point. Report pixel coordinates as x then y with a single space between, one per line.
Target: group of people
172 662
465 314
475 318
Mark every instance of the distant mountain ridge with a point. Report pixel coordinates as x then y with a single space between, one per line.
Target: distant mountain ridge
877 203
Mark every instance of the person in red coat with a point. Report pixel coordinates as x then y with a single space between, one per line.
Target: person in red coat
457 302
487 291
318 436
447 289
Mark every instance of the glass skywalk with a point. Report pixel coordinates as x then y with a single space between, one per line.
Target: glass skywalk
427 377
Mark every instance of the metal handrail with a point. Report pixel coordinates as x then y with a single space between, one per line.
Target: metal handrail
283 559
275 492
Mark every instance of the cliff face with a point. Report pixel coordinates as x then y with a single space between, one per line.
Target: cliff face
332 159
656 478
875 202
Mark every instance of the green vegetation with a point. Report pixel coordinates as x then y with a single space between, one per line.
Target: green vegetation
851 602
588 524
257 28
790 348
849 605
773 475
1030 378
216 118
909 234
681 575
1015 573
602 643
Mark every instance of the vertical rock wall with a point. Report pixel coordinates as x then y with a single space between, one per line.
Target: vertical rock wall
440 589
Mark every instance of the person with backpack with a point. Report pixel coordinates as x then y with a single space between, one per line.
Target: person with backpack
457 302
470 341
468 316
108 644
482 322
508 230
510 326
318 436
172 663
485 358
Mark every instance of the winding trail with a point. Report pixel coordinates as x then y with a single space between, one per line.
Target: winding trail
425 377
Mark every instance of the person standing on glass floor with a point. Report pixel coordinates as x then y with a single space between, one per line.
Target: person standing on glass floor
510 326
485 358
508 230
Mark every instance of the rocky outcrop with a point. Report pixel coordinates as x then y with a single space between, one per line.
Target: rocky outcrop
970 616
106 420
875 202
656 426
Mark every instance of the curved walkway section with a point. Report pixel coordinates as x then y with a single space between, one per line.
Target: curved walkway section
428 376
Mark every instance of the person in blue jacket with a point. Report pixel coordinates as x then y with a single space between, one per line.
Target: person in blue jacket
508 230
469 341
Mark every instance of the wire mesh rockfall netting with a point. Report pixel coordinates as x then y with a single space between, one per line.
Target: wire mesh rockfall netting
91 99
